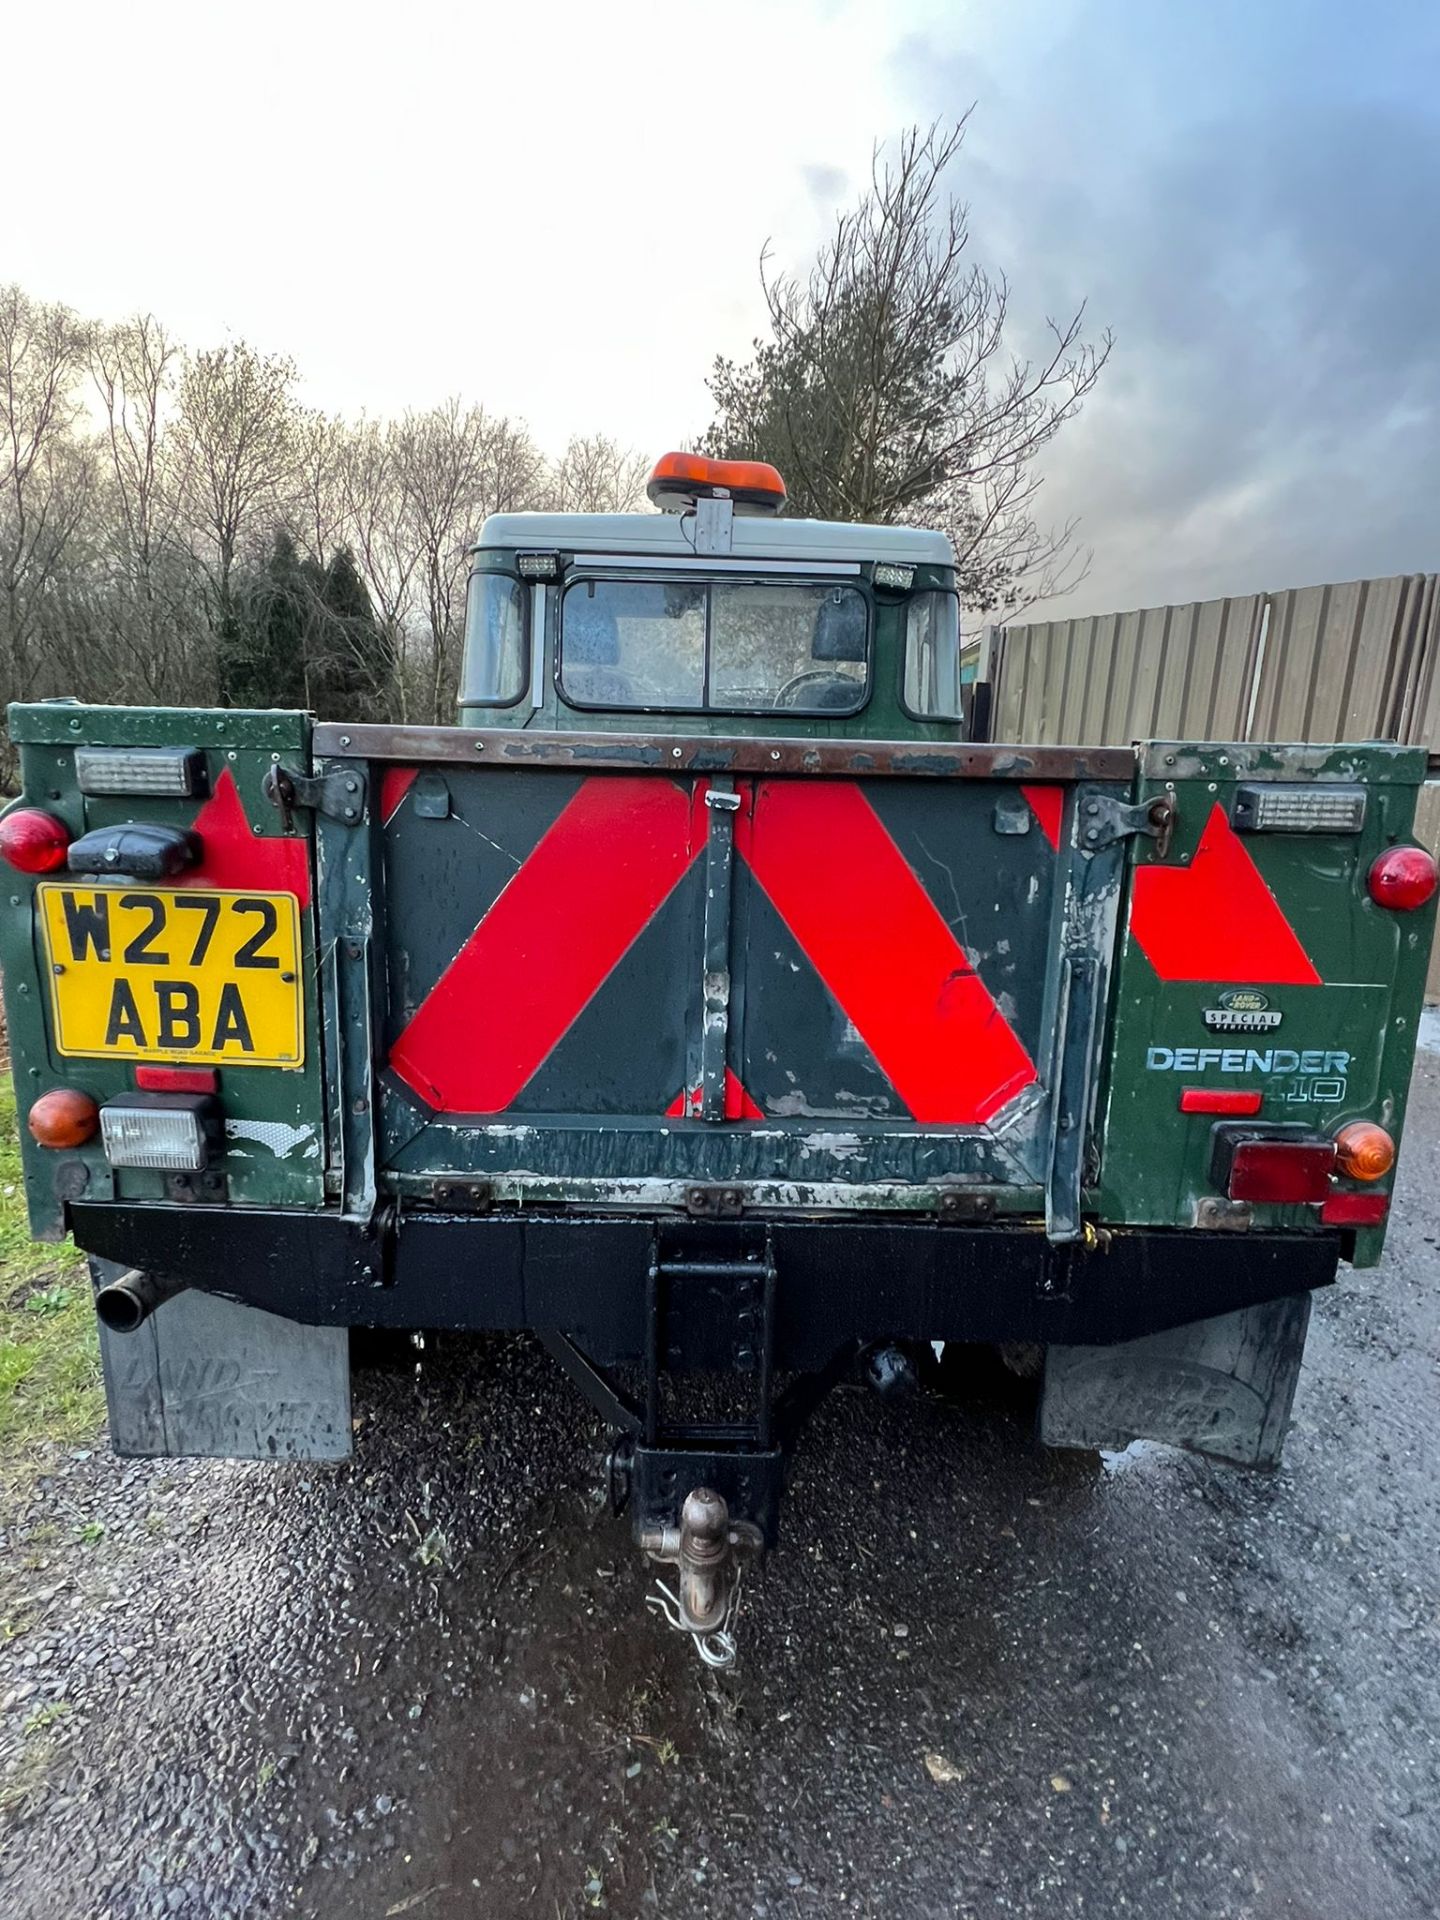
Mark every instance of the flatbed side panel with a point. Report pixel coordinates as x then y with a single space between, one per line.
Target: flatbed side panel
276 1146
1257 963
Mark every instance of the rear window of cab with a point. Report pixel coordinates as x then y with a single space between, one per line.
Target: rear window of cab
728 646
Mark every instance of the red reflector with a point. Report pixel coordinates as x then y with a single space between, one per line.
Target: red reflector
1282 1171
1404 878
34 842
177 1079
1355 1209
1218 1100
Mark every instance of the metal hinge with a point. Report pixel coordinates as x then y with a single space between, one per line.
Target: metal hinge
1104 820
955 1204
715 1203
464 1196
338 794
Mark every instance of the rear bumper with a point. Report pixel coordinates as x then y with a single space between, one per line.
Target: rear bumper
586 1276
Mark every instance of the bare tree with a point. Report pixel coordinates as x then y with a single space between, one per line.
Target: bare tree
144 538
235 449
374 524
596 474
318 487
885 390
453 465
151 628
45 473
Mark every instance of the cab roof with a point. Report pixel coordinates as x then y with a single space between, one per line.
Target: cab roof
754 537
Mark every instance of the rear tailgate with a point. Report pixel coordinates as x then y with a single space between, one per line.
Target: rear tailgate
697 972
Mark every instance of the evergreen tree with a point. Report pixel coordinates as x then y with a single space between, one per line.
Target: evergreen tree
351 662
262 632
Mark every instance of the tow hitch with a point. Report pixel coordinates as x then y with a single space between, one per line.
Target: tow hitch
704 1493
709 1552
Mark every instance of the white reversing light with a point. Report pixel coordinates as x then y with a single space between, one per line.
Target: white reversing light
538 566
1309 809
170 1132
889 574
177 772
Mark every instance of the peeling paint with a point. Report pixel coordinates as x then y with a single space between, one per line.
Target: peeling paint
278 1135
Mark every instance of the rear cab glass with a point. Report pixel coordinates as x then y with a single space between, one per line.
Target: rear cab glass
730 646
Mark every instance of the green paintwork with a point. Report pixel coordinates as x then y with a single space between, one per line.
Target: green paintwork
1156 1159
256 1097
1152 1161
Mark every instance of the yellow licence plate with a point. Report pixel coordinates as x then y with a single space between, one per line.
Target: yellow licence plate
174 974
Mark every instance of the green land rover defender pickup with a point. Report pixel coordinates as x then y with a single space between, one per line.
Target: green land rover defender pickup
711 1004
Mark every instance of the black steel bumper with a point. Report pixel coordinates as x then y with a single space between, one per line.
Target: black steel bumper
836 1281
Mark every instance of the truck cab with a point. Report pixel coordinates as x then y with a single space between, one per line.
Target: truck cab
709 1005
712 618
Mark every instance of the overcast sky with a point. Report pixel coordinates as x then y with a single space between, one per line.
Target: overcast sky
557 210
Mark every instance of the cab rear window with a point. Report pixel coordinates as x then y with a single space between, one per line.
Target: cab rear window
729 646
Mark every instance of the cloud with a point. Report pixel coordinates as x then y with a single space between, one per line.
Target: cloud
1270 415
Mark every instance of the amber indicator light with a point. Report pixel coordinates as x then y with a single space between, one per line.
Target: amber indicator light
1364 1151
64 1117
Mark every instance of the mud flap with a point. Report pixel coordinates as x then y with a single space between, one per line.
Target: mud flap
1220 1387
203 1376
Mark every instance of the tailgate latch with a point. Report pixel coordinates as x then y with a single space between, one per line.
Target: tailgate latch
1104 820
338 794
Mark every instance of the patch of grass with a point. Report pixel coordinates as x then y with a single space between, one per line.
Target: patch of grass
50 1387
23 1784
46 1716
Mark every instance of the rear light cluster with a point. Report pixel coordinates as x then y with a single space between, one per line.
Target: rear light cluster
1292 1166
172 1122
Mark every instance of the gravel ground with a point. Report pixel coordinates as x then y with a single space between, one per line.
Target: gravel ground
424 1683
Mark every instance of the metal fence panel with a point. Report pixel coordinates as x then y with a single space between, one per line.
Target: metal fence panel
1355 661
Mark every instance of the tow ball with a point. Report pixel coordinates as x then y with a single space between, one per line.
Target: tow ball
708 1550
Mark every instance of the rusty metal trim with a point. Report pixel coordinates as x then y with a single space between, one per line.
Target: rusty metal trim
688 753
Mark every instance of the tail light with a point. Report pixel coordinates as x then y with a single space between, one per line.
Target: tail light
34 842
1280 1165
1403 878
1282 1172
64 1117
1364 1151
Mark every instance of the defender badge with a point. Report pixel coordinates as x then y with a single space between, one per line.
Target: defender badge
1242 1010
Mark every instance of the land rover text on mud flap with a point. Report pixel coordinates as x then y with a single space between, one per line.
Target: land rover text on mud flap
712 1005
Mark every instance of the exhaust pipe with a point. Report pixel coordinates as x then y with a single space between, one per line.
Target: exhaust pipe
127 1303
